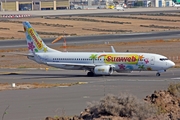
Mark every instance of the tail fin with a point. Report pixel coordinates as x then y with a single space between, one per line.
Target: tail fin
34 42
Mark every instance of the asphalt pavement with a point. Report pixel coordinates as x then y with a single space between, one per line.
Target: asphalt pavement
77 40
91 12
36 104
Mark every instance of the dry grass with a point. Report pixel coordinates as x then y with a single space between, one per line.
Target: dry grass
7 86
78 26
123 105
174 89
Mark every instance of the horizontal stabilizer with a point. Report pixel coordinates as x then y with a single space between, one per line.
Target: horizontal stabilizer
21 54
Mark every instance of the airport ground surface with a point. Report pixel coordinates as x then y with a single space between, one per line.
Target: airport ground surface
36 104
96 11
53 27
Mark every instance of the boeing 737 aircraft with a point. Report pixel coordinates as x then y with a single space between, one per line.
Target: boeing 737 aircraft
176 5
97 63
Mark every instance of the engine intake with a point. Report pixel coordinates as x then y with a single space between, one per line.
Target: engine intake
103 70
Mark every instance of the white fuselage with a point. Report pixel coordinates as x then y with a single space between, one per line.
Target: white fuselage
97 63
119 7
120 61
176 5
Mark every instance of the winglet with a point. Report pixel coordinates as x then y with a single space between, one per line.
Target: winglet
113 50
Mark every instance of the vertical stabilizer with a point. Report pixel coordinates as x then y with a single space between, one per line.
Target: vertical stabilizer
34 41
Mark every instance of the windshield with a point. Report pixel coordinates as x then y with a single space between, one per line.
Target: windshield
163 59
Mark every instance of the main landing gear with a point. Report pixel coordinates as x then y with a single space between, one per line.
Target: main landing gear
90 74
158 74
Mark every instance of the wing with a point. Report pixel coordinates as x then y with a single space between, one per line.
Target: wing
71 64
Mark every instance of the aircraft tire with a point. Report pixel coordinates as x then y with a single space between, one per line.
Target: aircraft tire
90 74
158 74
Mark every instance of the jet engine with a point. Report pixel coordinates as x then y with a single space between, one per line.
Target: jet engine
103 70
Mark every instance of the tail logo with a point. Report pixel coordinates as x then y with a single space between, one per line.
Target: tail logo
37 42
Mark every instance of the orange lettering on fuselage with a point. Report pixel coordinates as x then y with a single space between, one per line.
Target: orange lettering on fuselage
38 43
121 59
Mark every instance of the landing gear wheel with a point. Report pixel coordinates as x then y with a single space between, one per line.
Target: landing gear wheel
158 74
90 74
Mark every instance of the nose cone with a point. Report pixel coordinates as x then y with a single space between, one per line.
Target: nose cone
171 64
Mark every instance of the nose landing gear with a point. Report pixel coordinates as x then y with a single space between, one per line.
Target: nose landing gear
160 71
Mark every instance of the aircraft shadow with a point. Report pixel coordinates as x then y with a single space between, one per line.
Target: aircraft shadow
39 76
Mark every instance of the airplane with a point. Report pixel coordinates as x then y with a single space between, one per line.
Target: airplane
176 5
96 63
119 7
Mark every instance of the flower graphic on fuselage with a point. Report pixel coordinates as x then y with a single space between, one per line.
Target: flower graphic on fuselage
121 67
31 46
146 60
141 57
141 67
148 68
129 67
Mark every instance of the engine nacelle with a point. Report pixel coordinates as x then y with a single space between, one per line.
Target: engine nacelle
103 70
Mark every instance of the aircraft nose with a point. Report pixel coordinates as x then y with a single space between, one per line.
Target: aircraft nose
171 64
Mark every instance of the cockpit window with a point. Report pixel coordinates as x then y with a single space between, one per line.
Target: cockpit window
163 59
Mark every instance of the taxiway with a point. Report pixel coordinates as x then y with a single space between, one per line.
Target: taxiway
76 40
36 104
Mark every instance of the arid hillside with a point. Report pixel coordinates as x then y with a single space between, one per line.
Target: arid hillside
161 105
